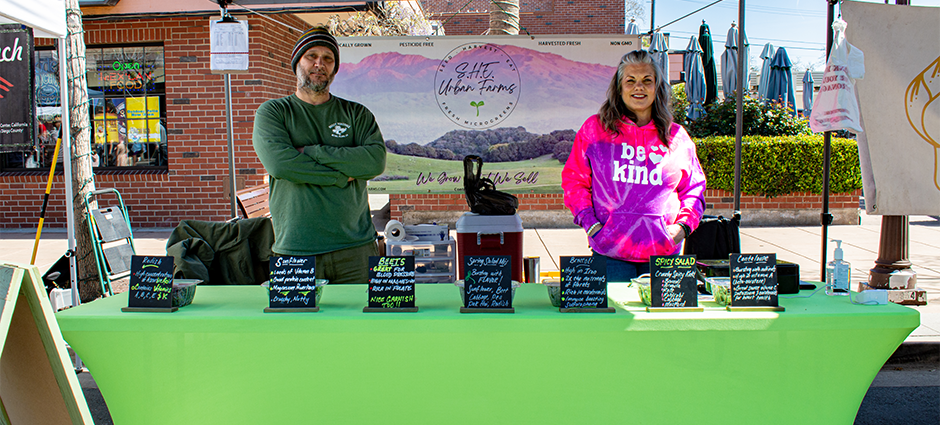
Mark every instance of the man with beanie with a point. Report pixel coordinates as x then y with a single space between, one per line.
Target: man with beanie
319 151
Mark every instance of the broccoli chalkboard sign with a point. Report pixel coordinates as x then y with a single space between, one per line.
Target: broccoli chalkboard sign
391 284
487 284
754 282
673 286
293 286
584 285
151 284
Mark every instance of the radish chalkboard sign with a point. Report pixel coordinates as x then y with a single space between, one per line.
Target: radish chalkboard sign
487 284
151 284
293 285
391 284
754 282
673 284
584 285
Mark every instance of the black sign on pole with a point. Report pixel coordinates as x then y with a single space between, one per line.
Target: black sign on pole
151 284
293 285
391 285
754 282
584 285
487 284
16 90
673 286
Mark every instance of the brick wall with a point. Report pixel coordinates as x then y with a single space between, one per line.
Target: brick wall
195 184
542 17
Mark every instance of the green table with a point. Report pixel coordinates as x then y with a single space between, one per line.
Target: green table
222 361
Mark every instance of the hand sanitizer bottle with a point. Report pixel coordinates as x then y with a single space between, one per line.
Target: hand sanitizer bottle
838 273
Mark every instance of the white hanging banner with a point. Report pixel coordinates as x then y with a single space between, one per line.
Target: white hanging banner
228 47
899 150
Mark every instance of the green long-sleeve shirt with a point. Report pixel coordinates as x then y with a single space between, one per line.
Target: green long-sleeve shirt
314 208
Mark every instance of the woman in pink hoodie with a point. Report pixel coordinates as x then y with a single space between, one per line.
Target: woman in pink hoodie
633 181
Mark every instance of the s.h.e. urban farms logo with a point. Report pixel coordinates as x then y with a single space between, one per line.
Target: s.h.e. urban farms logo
477 85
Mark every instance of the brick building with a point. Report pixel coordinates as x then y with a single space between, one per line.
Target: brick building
149 68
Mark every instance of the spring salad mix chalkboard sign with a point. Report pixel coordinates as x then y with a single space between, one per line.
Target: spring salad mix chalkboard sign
672 282
391 284
754 281
293 285
151 284
584 284
487 283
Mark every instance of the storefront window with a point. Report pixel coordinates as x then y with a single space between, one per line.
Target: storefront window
127 108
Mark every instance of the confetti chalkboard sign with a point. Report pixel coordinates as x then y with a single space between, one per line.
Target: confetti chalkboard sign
488 284
151 284
391 284
753 281
584 285
293 285
672 283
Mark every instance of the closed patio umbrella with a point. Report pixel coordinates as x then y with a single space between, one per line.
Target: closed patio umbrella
729 62
659 50
632 27
780 87
708 63
695 80
807 93
766 55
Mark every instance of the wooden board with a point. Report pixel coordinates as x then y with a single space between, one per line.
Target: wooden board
38 385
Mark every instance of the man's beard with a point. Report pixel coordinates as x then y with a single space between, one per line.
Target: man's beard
304 82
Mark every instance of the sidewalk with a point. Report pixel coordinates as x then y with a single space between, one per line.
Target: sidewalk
801 245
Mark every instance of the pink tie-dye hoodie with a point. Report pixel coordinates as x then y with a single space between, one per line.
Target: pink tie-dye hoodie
634 186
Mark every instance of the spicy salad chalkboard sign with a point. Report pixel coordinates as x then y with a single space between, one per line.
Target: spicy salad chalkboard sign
672 283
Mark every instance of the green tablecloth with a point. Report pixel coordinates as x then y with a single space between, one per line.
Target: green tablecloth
222 360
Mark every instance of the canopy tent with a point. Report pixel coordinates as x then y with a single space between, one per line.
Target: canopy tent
41 16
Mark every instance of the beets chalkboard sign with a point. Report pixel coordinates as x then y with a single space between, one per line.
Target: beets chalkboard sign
151 283
391 284
487 283
293 284
672 281
584 284
753 280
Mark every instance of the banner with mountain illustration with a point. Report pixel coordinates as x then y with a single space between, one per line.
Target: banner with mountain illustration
899 99
516 101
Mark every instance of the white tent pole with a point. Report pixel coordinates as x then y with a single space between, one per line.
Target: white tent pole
66 132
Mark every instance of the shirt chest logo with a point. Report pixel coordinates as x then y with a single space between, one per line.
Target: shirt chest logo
340 130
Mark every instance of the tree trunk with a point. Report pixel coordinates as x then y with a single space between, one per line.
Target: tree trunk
504 17
83 180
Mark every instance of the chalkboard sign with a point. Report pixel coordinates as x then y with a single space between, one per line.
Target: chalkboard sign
292 287
584 285
391 284
672 283
151 284
753 280
488 284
